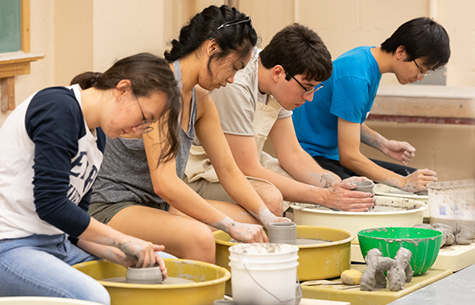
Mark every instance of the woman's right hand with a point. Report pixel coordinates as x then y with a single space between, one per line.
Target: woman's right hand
139 253
242 232
248 233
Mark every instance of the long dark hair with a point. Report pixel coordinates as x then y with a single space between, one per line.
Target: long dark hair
231 29
147 73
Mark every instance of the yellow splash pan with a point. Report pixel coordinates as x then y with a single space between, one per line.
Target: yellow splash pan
316 261
210 283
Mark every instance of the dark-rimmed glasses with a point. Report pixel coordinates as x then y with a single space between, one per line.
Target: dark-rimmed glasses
307 91
231 23
421 71
145 125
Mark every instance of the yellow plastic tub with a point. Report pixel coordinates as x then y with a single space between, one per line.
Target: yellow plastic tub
316 261
210 283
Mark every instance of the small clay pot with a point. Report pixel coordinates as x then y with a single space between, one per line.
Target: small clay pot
363 186
282 232
151 275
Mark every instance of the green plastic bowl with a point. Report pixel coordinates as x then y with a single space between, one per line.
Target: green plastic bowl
423 243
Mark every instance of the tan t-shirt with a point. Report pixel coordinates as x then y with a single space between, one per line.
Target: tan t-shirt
237 106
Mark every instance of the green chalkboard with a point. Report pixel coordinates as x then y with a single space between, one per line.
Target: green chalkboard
10 25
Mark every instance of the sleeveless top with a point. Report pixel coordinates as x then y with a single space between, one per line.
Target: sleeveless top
125 176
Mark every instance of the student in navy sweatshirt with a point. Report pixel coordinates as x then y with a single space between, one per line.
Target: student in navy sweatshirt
52 150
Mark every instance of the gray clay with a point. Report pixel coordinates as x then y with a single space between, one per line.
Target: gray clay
398 270
423 226
462 235
401 272
373 276
448 237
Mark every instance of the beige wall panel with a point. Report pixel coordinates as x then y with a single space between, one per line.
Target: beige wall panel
448 149
268 16
386 16
328 15
458 19
179 13
124 27
73 38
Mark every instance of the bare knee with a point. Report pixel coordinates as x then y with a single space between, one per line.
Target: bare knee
200 245
271 196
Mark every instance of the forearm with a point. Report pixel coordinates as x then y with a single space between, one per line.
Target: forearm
180 196
305 169
363 166
291 189
239 188
102 234
372 138
99 250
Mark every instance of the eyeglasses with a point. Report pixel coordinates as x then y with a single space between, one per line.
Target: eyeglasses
421 71
231 23
307 91
145 126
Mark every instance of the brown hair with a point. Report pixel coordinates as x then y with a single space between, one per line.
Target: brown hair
147 73
299 50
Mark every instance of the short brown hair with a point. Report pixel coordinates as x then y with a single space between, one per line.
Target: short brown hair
299 50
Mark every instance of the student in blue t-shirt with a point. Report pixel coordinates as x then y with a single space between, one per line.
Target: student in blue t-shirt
52 150
332 127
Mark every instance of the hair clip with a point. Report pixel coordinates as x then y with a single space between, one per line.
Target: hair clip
244 20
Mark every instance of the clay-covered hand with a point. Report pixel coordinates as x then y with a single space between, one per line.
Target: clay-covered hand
341 197
139 253
418 180
244 232
327 179
161 263
398 150
266 217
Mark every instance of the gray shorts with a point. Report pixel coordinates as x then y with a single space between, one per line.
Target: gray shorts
209 190
104 211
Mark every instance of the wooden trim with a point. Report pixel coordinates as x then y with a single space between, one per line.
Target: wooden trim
13 64
7 97
25 26
17 64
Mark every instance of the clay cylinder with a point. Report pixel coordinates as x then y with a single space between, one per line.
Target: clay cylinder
282 232
363 186
151 275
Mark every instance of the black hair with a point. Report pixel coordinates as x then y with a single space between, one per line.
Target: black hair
421 37
299 50
231 29
147 73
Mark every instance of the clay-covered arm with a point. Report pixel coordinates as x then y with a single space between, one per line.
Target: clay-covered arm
398 150
349 135
338 196
211 136
294 159
105 242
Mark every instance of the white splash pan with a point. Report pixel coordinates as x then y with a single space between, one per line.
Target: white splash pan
353 222
389 191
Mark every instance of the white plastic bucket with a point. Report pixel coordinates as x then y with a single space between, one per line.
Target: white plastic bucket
264 274
452 202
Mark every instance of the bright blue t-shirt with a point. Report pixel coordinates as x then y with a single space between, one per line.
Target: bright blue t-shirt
348 94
